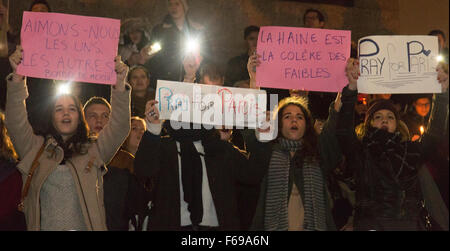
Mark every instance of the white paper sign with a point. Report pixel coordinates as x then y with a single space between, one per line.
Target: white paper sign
398 64
211 105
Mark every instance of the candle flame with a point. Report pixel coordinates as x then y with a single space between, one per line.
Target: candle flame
422 130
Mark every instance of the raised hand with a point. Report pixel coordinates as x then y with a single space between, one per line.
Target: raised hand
152 113
352 72
122 72
16 58
338 102
253 62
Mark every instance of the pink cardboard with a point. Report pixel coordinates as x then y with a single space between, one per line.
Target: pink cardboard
303 59
68 47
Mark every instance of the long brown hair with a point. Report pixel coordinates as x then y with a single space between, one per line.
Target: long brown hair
78 143
309 139
6 147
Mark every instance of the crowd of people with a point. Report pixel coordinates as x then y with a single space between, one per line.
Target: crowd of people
101 158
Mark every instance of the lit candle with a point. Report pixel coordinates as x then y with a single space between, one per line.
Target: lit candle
422 130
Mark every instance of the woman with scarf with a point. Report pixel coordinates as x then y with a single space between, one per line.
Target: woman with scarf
393 191
293 194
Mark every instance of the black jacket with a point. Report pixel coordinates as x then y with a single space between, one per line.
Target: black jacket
382 201
168 63
156 165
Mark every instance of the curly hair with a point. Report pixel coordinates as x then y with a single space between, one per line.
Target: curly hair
6 147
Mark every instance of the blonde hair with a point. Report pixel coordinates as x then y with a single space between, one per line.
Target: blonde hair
6 147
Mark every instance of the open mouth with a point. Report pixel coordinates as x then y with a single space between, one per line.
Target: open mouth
294 128
98 128
66 121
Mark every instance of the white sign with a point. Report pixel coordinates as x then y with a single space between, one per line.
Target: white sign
398 64
211 105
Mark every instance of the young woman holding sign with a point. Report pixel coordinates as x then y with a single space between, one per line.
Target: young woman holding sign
62 166
393 191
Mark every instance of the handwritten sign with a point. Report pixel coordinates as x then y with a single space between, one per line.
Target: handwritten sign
303 59
68 47
398 64
210 105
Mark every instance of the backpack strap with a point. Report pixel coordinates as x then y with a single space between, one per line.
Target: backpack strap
33 168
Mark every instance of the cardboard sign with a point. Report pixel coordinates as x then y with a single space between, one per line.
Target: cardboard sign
210 104
303 59
398 64
68 47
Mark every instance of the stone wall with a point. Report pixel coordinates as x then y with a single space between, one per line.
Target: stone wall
225 19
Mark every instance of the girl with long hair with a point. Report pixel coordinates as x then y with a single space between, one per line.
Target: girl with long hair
62 167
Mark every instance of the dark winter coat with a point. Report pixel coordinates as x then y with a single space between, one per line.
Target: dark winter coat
156 165
382 201
168 63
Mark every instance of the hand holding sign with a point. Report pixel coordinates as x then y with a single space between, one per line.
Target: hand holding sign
122 72
16 58
152 113
253 62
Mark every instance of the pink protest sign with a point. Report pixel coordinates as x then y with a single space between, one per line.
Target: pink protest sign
68 47
303 59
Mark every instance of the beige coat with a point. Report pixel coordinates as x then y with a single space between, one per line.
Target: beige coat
88 182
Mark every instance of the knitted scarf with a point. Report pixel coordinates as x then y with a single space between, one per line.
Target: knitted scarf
191 171
276 207
191 165
385 146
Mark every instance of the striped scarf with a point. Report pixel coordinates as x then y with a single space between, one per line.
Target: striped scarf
276 208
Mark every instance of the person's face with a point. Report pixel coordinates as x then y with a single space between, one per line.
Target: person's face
422 106
252 40
293 123
139 80
208 81
384 119
97 116
312 21
384 96
65 117
134 59
318 126
136 133
39 8
135 37
176 9
2 13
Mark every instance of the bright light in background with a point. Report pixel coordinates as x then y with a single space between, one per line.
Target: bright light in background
156 47
422 130
64 89
440 58
192 45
